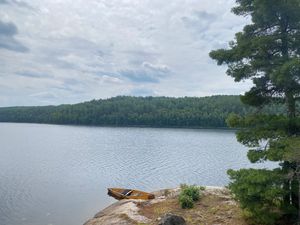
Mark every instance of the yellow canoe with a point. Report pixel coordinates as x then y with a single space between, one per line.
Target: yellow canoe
121 193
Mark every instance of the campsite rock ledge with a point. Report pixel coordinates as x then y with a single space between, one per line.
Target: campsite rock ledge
132 212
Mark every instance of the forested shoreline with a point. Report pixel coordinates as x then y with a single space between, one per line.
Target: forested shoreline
190 112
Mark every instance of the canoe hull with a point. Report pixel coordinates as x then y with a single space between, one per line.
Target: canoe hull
118 193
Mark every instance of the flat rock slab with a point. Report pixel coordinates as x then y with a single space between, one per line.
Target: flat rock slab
124 212
108 220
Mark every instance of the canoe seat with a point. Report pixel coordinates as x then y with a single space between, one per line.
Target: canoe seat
127 192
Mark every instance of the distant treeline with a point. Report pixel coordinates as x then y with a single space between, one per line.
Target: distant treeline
206 112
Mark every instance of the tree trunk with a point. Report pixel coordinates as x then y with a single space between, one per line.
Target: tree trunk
292 130
298 179
295 195
298 200
291 104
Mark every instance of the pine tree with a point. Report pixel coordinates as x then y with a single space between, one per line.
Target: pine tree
267 51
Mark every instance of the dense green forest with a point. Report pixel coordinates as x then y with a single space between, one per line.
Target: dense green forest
134 111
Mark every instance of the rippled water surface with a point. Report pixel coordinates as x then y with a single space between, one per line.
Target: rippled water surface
58 175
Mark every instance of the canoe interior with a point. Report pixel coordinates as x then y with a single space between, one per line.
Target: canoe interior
122 193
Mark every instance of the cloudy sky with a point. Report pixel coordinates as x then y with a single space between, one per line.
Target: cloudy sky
68 51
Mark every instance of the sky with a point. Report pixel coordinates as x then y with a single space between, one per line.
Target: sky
68 51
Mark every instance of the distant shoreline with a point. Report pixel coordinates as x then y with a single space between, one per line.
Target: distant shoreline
128 126
126 111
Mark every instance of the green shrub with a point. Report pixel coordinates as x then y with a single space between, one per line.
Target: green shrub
260 194
188 194
186 202
191 191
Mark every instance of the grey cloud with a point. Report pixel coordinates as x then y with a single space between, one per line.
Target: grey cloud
142 92
12 44
16 3
71 82
22 4
7 40
205 15
103 53
157 68
137 57
3 2
140 53
148 73
199 20
140 76
44 95
63 88
33 74
111 79
8 29
81 43
74 53
73 85
55 61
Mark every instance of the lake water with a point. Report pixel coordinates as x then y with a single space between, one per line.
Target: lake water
58 175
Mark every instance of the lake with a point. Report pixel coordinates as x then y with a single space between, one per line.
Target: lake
58 175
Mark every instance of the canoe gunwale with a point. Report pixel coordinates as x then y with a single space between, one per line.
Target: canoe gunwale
134 194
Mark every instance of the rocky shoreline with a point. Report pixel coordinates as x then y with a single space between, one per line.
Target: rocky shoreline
216 205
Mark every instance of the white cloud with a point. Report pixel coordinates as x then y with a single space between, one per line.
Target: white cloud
157 68
80 50
110 79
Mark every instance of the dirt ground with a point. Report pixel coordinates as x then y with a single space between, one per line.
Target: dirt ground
214 208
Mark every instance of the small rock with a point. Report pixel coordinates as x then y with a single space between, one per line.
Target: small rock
171 219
